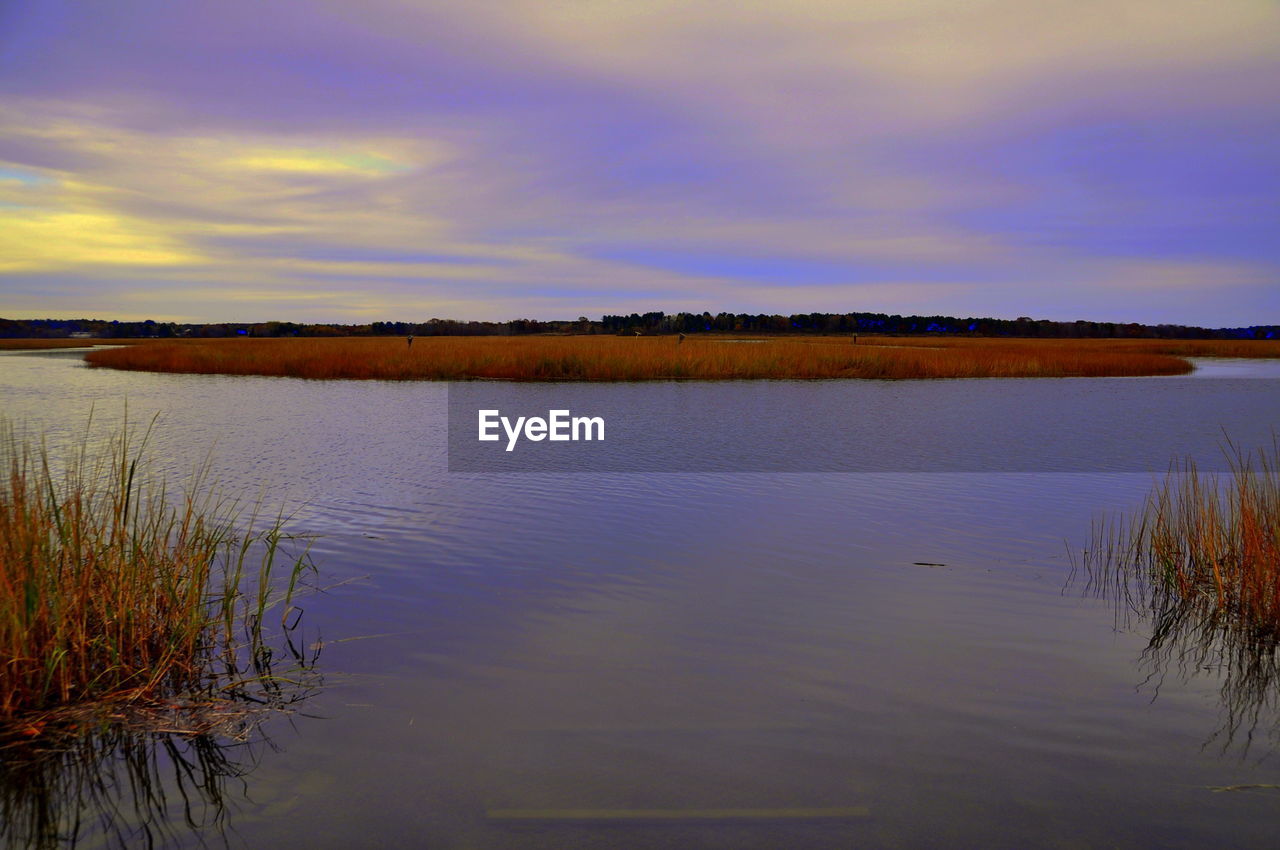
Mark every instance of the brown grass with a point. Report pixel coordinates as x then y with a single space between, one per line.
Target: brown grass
595 358
112 590
1202 545
1199 564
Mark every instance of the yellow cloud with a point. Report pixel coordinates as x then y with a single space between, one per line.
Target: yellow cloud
36 240
226 294
303 161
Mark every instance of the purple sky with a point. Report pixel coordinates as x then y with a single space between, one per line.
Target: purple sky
388 159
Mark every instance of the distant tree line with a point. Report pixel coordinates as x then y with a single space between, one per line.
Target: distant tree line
885 323
645 323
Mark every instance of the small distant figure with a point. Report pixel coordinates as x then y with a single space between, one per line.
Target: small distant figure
637 334
855 339
410 341
680 340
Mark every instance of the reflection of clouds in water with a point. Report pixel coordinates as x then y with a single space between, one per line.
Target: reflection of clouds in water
1234 367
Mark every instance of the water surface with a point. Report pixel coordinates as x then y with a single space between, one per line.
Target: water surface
893 649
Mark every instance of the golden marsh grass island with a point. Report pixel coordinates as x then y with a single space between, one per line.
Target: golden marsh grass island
658 358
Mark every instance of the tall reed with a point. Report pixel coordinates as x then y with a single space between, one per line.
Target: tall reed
113 589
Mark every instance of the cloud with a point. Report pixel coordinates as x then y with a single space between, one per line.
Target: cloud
44 240
304 161
1204 278
996 156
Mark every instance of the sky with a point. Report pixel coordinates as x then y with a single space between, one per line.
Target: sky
303 160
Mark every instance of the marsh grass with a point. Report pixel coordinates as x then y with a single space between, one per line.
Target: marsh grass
120 598
608 358
1206 543
1199 565
1246 348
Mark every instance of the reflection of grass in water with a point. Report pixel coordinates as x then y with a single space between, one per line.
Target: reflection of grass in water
112 591
1201 563
125 787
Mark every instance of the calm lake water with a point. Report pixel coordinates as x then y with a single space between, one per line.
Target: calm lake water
762 659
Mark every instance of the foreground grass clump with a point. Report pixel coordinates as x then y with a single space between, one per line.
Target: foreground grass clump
114 592
595 358
1199 566
1202 549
